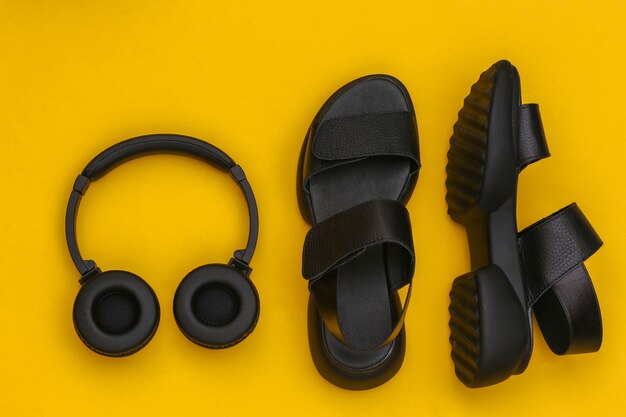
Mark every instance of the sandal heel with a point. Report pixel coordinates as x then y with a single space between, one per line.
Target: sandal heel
488 327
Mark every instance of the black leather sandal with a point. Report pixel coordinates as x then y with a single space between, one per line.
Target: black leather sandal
358 166
540 268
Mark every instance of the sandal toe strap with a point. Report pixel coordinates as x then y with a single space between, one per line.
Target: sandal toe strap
366 135
347 140
532 140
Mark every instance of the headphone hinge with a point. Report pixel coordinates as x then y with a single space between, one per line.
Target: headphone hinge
238 264
92 271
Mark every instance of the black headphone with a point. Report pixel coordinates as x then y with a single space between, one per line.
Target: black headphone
116 313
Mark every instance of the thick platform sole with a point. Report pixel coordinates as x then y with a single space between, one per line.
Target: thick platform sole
335 371
490 333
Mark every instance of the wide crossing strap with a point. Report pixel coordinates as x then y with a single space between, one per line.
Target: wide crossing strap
379 134
558 286
532 140
343 236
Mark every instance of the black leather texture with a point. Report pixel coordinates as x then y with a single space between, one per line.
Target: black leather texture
156 144
569 316
369 224
532 140
553 246
344 113
340 238
558 286
367 135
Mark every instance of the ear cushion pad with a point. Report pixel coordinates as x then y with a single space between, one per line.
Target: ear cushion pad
216 306
116 313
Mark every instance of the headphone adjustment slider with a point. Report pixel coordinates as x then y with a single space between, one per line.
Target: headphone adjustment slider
81 184
237 173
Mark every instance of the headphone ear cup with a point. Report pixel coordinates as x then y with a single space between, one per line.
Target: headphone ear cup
116 313
216 306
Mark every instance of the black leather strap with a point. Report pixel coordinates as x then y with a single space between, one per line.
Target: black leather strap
324 292
569 315
558 286
532 140
343 236
368 135
155 144
346 140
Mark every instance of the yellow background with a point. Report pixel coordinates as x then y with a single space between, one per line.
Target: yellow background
78 76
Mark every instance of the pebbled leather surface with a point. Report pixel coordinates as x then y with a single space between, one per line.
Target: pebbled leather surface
532 140
553 246
569 316
558 286
155 144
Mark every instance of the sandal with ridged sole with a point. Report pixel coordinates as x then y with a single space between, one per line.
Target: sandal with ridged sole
513 274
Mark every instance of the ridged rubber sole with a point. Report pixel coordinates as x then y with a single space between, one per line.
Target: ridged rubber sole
468 148
464 328
489 331
488 328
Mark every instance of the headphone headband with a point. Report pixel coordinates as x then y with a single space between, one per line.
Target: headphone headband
140 146
151 145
